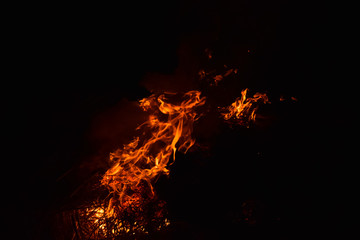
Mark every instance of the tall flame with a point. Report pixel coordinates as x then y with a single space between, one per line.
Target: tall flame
243 109
141 162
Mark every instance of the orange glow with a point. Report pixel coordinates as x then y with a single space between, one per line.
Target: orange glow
243 109
137 166
208 52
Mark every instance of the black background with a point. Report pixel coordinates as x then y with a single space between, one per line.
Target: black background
74 62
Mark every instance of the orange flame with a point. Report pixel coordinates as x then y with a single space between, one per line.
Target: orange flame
167 130
243 109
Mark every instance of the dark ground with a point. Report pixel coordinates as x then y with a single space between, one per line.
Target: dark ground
295 172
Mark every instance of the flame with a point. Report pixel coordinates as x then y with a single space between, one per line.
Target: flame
131 205
243 109
137 166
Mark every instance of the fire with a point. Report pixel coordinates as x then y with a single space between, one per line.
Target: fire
137 166
143 161
130 205
243 109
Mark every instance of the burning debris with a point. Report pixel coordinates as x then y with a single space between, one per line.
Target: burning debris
129 205
243 110
96 221
131 201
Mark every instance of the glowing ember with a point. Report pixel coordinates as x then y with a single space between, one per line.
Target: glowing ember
220 77
243 109
209 53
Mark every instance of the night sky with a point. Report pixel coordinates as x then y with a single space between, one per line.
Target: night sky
81 67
